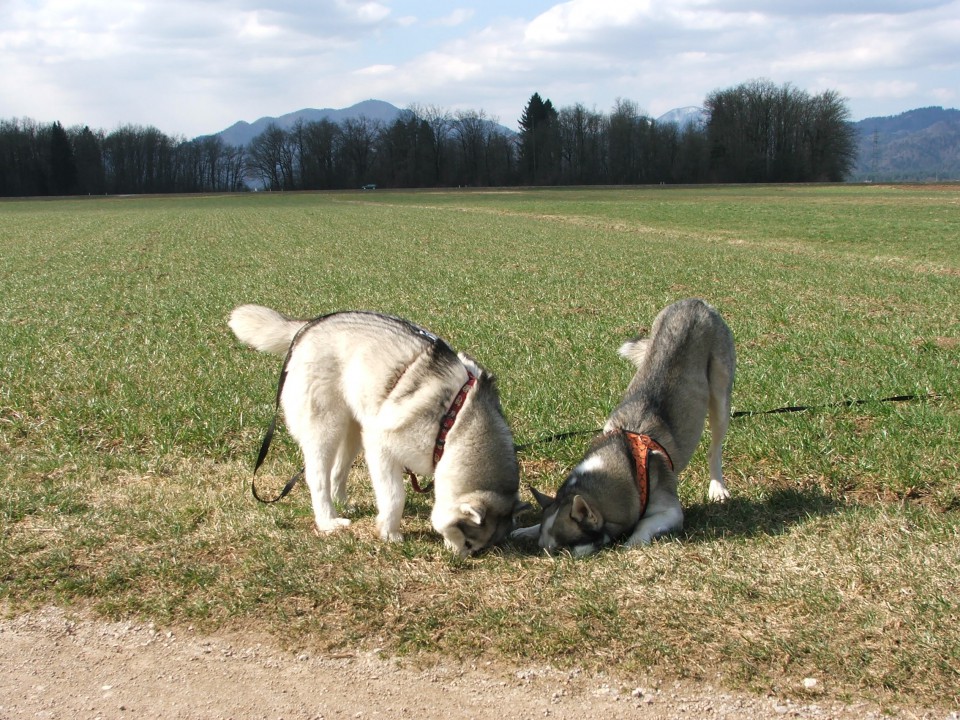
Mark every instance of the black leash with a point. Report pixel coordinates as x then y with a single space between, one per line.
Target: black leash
554 438
839 404
265 447
268 436
751 413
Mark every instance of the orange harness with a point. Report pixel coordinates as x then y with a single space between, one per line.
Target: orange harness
640 448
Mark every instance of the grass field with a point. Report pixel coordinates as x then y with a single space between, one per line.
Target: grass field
130 418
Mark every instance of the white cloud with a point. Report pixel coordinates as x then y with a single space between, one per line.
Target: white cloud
370 12
376 70
667 55
196 66
886 90
457 17
946 95
579 20
253 27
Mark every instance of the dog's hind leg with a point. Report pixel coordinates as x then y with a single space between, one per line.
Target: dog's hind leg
319 431
318 466
349 447
318 419
720 377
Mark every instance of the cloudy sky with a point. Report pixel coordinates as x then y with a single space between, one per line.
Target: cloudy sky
192 67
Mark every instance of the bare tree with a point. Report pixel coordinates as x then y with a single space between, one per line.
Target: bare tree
272 158
582 135
471 129
358 143
628 143
440 122
319 146
759 132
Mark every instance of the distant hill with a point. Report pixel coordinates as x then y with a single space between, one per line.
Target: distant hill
921 145
684 116
241 133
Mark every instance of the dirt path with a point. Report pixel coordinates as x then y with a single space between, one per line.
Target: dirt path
55 664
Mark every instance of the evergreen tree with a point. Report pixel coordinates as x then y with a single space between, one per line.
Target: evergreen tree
540 142
88 154
63 166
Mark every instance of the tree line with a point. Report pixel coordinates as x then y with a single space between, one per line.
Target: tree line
51 160
755 132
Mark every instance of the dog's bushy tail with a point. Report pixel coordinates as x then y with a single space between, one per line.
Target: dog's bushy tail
264 329
635 350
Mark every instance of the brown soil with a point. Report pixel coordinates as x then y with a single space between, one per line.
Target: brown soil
62 664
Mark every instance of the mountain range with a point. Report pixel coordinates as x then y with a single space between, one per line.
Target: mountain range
921 144
241 133
917 145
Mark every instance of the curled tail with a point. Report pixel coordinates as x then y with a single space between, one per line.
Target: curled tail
635 350
264 329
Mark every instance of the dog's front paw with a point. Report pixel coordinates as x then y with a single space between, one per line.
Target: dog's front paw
527 533
643 537
458 550
388 533
718 491
325 527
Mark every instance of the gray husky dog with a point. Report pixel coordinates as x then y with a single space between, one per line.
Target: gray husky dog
360 378
626 485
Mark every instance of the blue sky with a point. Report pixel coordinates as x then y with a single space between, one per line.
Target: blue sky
192 67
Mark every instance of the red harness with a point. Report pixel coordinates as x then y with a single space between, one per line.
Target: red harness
640 448
446 423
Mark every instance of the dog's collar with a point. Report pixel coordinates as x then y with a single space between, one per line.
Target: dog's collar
640 448
446 422
450 417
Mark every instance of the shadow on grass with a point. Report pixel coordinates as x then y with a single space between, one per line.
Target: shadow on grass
746 517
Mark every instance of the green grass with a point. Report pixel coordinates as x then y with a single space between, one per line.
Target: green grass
130 417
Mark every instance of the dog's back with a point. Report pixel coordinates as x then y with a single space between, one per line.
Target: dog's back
688 359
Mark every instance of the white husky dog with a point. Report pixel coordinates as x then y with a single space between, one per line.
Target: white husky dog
361 378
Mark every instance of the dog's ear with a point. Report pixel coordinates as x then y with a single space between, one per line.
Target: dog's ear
473 513
544 501
584 514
